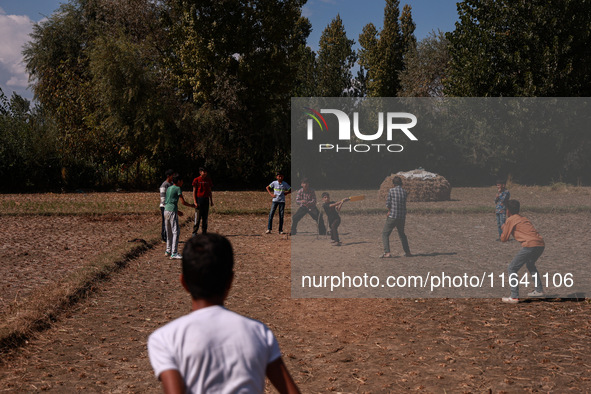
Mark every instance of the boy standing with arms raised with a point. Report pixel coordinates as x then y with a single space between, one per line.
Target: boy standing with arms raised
280 190
532 248
203 199
214 350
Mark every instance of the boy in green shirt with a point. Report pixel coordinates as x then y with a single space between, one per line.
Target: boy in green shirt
171 215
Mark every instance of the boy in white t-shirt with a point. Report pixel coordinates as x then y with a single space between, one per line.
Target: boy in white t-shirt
212 349
278 190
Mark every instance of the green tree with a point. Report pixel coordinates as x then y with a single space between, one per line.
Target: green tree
336 58
407 30
382 53
306 73
524 48
235 66
521 48
172 83
29 154
426 67
368 56
95 68
57 61
136 106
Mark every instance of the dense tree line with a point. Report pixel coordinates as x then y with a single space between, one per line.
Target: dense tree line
127 89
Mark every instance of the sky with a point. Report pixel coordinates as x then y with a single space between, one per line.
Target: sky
18 16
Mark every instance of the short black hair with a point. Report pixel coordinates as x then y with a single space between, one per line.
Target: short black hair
279 172
397 181
203 169
176 178
305 180
325 194
513 206
169 173
501 181
208 265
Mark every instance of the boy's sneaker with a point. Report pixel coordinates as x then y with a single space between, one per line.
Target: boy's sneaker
536 293
268 232
176 256
510 300
167 254
281 232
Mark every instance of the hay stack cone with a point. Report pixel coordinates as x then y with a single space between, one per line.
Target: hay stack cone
421 185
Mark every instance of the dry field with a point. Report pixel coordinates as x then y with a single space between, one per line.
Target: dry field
97 344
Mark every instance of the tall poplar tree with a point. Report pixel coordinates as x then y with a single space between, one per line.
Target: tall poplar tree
336 57
407 30
369 56
382 53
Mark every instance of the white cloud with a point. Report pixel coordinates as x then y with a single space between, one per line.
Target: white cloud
14 33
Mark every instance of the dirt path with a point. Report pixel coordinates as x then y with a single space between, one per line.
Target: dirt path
342 345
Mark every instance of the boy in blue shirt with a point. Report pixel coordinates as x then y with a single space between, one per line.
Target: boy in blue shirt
278 190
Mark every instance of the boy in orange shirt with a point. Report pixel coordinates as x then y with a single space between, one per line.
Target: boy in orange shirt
532 248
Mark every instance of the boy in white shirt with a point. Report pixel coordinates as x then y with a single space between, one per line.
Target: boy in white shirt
278 190
214 350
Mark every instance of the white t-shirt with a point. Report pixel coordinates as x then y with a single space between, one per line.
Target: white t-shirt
279 190
215 351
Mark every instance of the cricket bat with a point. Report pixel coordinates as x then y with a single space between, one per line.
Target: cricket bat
357 198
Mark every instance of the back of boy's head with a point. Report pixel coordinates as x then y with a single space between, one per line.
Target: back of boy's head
513 206
169 173
176 178
397 181
208 263
500 181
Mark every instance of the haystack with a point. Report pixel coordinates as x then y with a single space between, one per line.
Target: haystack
421 185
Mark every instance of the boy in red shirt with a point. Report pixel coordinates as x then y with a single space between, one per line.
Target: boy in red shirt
532 248
203 199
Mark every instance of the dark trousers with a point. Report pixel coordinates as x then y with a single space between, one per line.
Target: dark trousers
163 233
390 225
201 215
274 206
313 212
334 229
